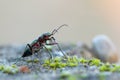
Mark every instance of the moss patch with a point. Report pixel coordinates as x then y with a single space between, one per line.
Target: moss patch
13 69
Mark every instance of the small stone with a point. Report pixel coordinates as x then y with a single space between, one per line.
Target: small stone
24 69
104 49
81 50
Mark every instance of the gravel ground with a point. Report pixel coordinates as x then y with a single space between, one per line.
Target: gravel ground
9 54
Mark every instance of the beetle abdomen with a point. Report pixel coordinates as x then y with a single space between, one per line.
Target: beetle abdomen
27 53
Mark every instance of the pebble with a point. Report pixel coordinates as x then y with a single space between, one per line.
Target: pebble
83 50
24 69
104 49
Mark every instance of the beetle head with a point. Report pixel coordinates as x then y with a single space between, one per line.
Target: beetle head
46 35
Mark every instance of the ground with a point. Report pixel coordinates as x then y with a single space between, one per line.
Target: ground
41 67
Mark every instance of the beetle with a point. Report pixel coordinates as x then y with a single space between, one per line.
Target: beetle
40 43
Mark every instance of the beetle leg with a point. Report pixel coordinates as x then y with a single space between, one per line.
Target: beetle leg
32 50
29 47
51 43
48 52
17 60
58 46
24 50
38 56
61 50
52 39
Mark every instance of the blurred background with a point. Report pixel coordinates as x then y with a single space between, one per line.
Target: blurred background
22 21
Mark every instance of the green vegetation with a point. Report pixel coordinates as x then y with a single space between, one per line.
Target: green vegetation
105 67
95 62
116 68
83 60
74 62
109 67
68 76
61 62
9 69
34 61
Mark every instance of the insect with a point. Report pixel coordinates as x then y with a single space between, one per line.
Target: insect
40 43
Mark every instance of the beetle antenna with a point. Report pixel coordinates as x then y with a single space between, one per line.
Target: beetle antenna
56 30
